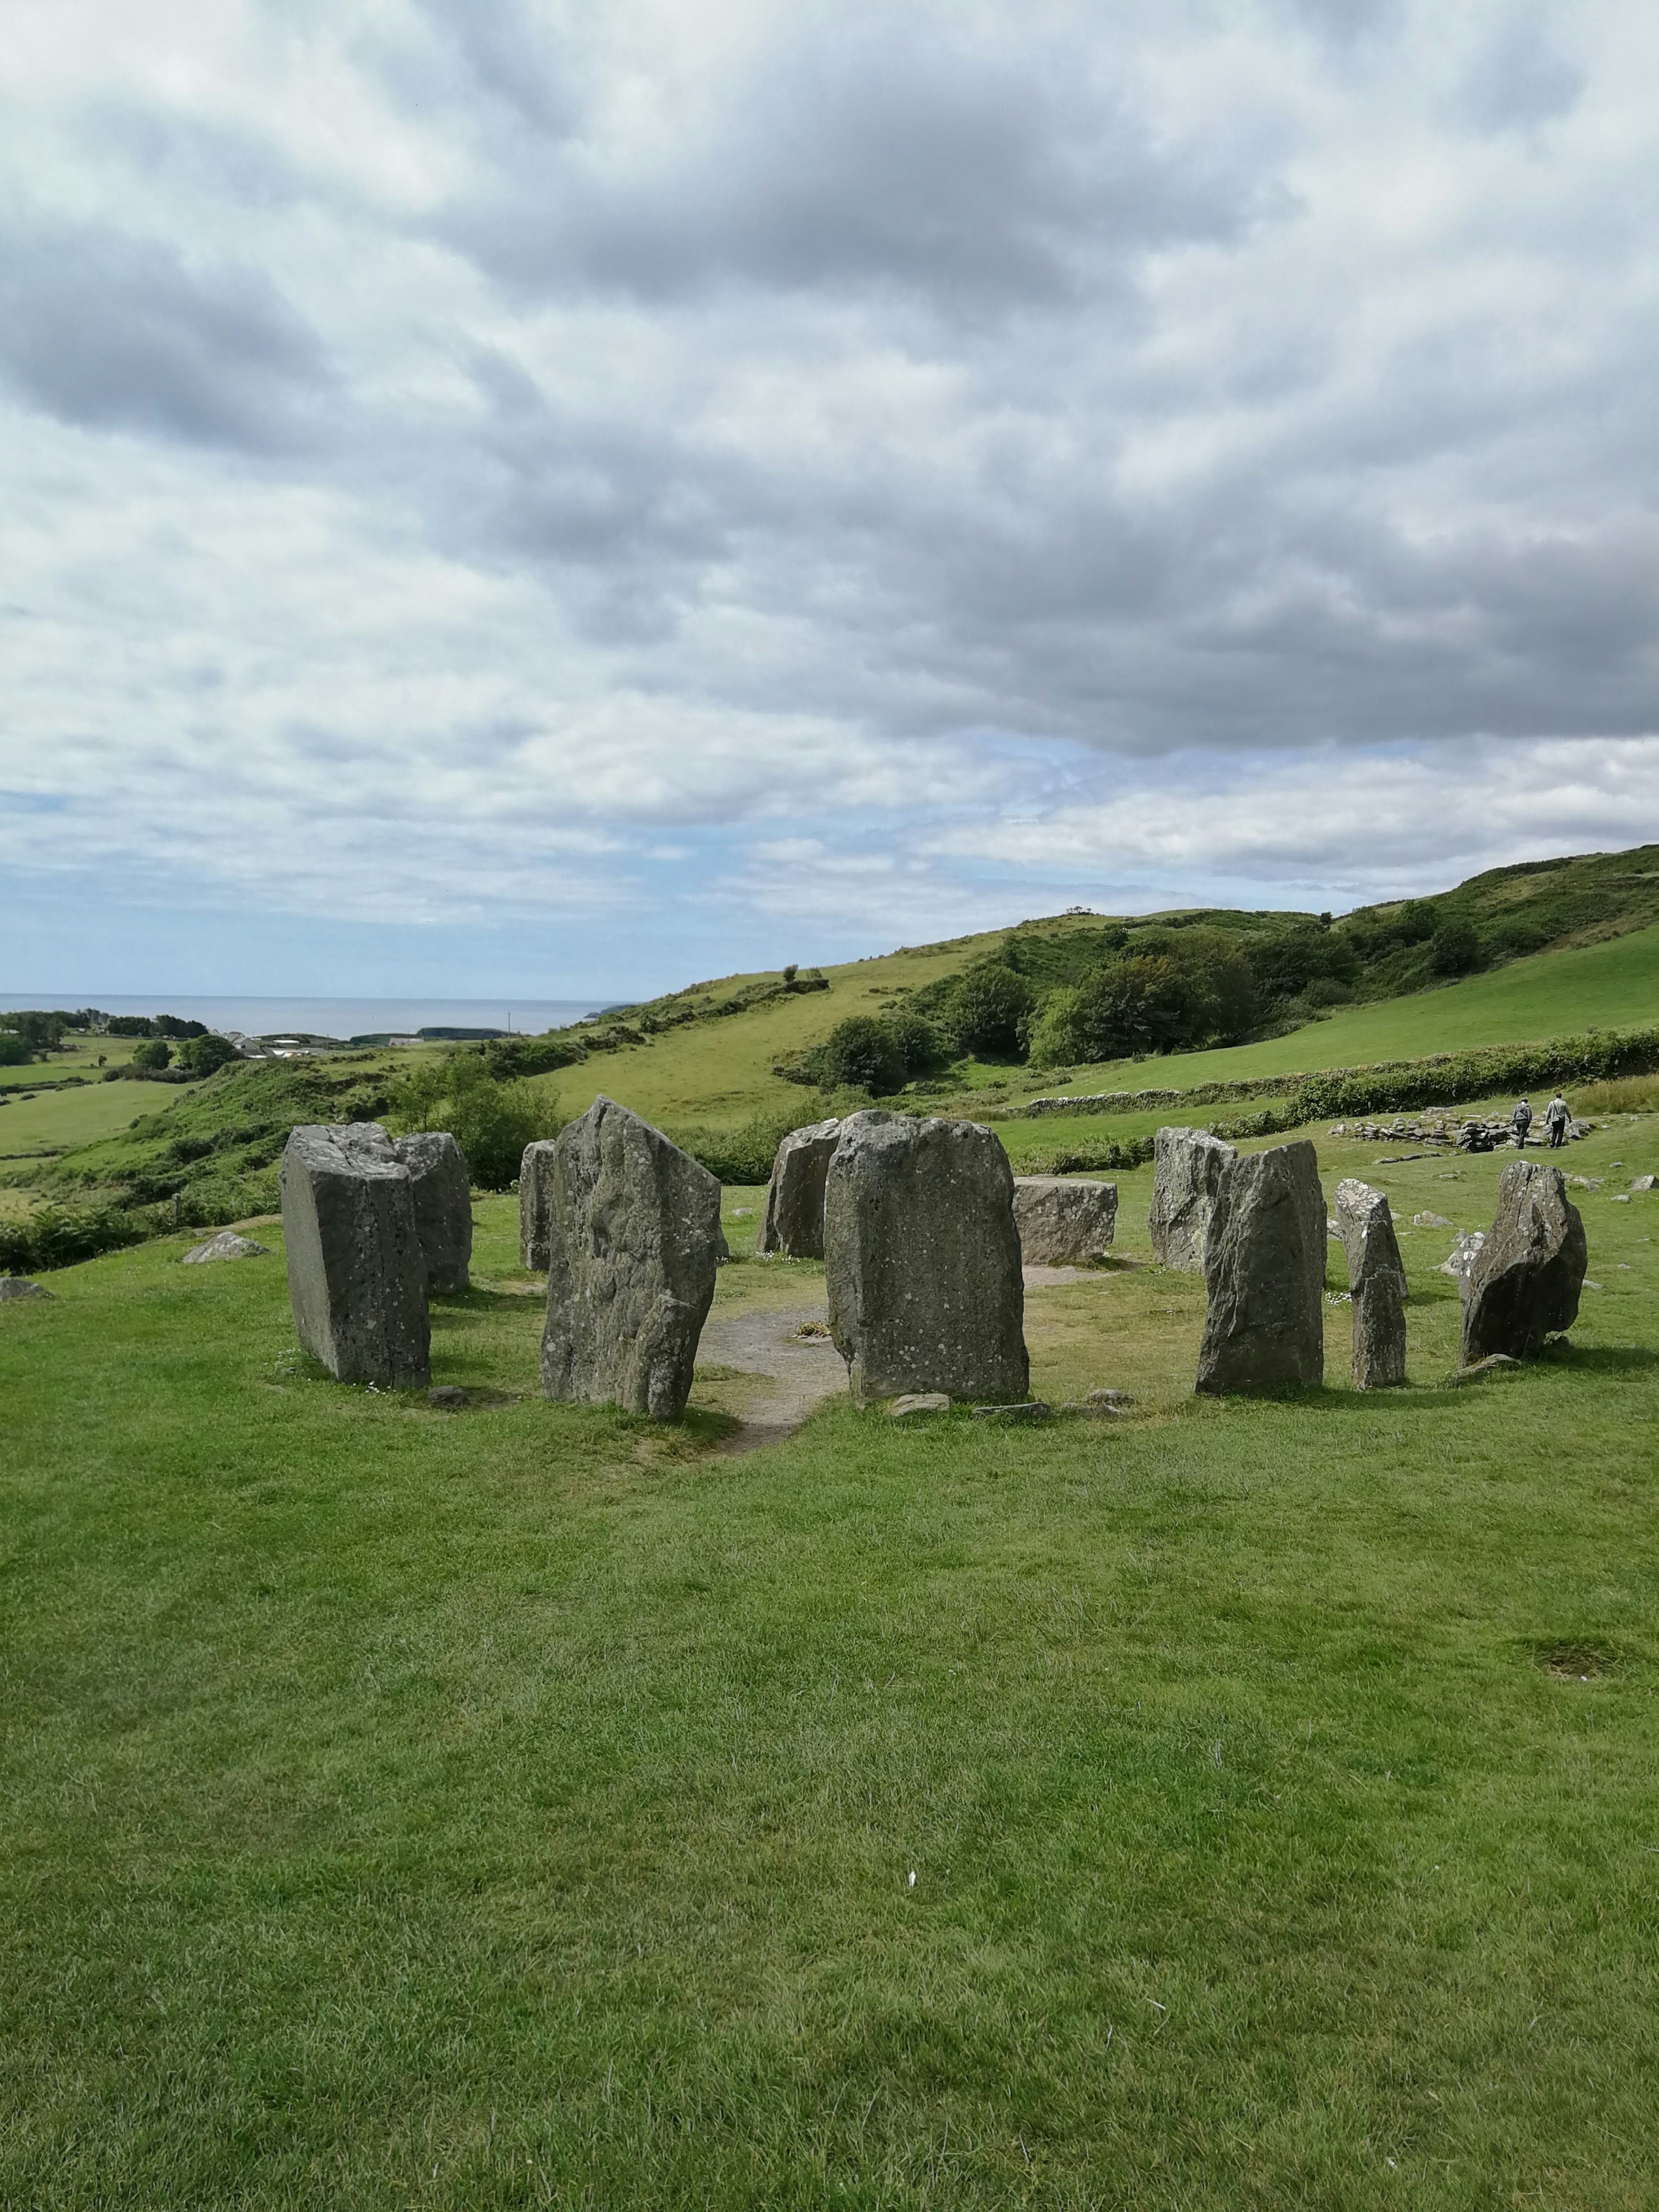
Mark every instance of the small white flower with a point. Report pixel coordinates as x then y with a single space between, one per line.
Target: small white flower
912 1882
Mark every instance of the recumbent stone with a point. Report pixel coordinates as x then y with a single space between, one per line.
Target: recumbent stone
922 1260
357 1275
1063 1220
1264 1273
633 1229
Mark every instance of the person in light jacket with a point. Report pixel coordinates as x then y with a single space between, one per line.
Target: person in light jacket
1557 1115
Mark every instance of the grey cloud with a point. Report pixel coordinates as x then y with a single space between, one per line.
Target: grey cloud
1520 80
101 327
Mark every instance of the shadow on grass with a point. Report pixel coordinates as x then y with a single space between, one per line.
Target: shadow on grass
1598 1359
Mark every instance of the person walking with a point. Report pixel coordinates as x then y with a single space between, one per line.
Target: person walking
1557 1115
1521 1121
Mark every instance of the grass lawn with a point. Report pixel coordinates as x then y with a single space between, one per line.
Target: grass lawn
38 1124
531 1806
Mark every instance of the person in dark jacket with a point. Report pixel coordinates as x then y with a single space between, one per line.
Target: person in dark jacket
1521 1121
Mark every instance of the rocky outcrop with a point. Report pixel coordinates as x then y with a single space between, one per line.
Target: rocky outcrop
1377 1285
1186 1169
443 1205
633 1227
533 1171
227 1245
1264 1273
357 1275
922 1261
792 1225
1524 1284
1063 1220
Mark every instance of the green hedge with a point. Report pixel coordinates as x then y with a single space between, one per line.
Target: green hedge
60 1236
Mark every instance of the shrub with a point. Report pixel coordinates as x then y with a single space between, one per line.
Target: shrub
14 1049
990 1008
1415 922
865 1054
155 1052
1454 949
492 1121
204 1055
59 1236
509 1057
179 1026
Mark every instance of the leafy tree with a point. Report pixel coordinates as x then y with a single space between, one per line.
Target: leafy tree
1454 949
864 1053
990 1007
179 1026
1179 991
155 1052
14 1049
204 1055
492 1122
1416 921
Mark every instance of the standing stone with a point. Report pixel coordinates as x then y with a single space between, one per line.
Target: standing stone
633 1226
1264 1272
357 1275
534 1170
792 1223
1063 1219
1377 1281
1186 1169
1524 1284
443 1205
922 1261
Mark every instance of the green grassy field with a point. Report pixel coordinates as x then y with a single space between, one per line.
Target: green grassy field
1238 1804
38 1124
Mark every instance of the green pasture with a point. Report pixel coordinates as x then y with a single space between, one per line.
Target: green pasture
1237 1804
36 1125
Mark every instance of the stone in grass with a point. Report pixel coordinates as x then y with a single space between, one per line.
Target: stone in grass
1619 1198
1063 1220
448 1397
1377 1284
357 1275
1485 1371
1032 1409
792 1220
634 1232
1524 1285
1429 1221
921 1260
1644 1182
918 1401
18 1287
1462 1258
1264 1275
227 1245
1187 1168
533 1171
442 1190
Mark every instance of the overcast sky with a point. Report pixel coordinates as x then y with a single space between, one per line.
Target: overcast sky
498 494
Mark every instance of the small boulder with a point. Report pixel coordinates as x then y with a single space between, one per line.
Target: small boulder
634 1230
1063 1221
533 1171
17 1286
792 1221
1264 1273
922 1262
1187 1170
1485 1370
1429 1221
357 1275
914 1402
1377 1285
1644 1182
442 1191
1524 1285
227 1245
1462 1258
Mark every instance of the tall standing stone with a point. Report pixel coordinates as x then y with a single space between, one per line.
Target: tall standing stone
1264 1273
442 1190
922 1260
1377 1284
791 1224
534 1170
1187 1170
356 1275
1526 1278
634 1225
1063 1219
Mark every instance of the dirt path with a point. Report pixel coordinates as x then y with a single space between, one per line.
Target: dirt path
784 1375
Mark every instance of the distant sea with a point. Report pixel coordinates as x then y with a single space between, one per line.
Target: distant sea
335 1017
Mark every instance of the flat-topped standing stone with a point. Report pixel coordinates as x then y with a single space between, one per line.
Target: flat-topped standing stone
633 1227
443 1205
792 1223
1376 1279
357 1275
1063 1219
534 1170
922 1262
1264 1273
1187 1167
1525 1281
